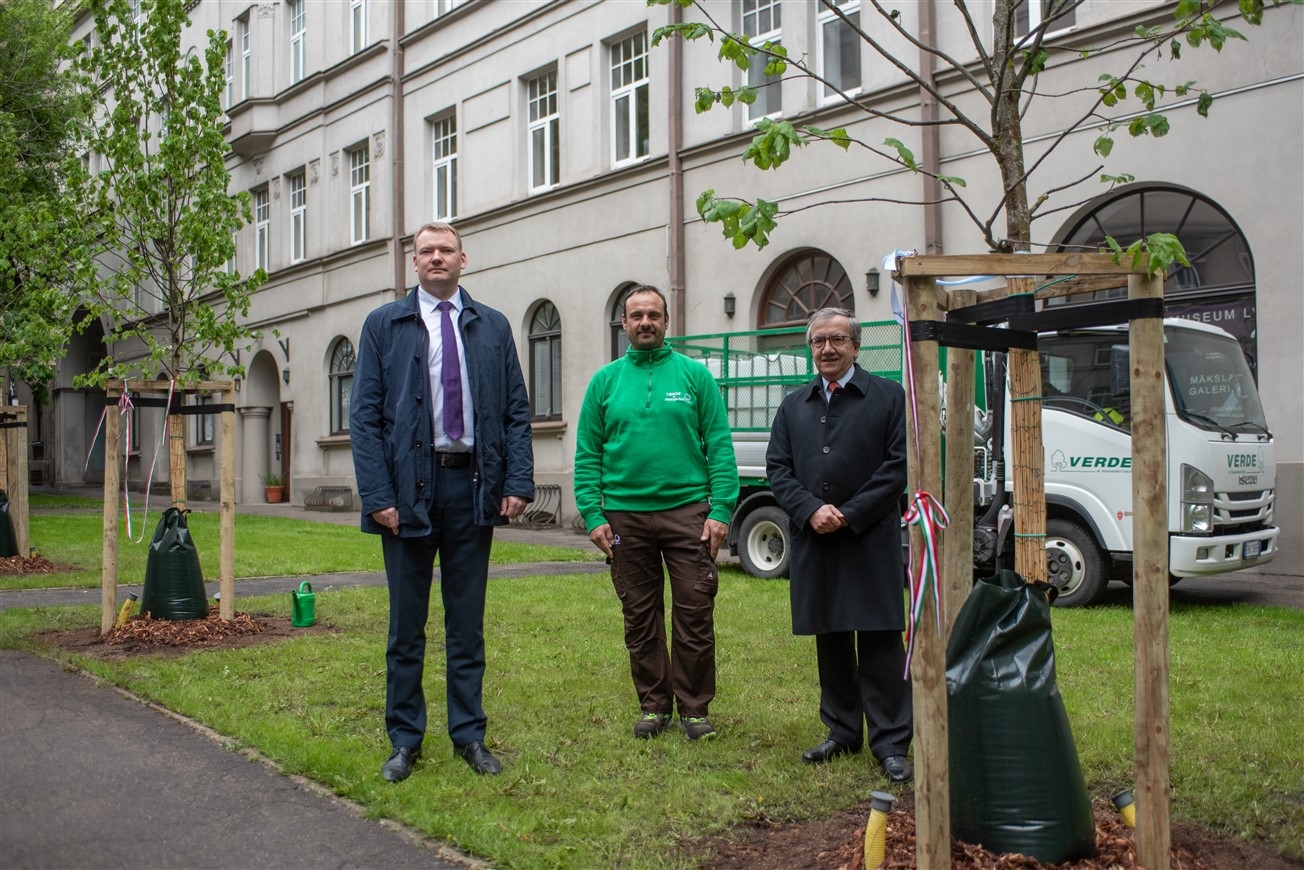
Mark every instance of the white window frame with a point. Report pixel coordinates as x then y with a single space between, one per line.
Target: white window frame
629 57
827 17
298 185
262 228
357 25
543 137
1036 12
246 58
443 135
298 39
769 100
228 70
443 7
360 193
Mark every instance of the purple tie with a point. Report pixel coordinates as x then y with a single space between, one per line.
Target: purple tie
450 374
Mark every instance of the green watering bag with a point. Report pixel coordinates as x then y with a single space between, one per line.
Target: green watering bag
1016 783
174 582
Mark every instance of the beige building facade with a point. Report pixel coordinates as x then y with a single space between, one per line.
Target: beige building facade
566 148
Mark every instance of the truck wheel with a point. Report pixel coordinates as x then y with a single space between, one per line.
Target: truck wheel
763 543
1074 563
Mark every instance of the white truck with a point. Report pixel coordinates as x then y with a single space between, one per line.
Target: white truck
1221 455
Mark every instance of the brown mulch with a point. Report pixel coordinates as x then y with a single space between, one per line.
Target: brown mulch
37 564
838 843
142 634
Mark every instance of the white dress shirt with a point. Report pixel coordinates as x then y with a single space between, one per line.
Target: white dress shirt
432 316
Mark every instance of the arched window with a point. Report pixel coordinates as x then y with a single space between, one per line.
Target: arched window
341 381
1218 286
619 340
545 363
806 282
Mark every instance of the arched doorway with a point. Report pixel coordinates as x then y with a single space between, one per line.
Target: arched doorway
803 282
1218 287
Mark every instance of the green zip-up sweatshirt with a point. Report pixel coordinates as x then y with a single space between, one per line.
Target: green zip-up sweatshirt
653 435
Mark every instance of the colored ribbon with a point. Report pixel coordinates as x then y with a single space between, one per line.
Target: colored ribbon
928 515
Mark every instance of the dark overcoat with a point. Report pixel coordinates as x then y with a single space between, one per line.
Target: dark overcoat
850 453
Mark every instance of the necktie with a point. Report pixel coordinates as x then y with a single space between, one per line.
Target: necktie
450 375
833 389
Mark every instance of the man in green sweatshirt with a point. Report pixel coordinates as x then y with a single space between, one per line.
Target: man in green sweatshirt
655 479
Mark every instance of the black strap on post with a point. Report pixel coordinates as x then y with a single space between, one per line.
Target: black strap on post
994 311
1083 316
971 337
175 408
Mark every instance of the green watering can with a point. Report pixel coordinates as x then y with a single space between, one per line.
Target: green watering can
304 601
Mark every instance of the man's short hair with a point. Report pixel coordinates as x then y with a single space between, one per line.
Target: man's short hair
821 314
438 227
644 288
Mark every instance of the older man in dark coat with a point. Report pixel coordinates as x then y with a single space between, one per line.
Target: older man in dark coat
837 465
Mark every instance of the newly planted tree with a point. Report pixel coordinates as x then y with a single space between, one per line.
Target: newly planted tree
157 249
1003 65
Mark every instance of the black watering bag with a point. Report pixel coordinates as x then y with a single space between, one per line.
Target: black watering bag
174 582
1016 783
8 537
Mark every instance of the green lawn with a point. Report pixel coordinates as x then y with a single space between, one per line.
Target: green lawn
69 531
578 791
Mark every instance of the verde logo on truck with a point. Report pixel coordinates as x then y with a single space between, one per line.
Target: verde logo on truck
1245 461
1064 462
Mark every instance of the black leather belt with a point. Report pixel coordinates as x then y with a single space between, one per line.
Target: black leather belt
453 460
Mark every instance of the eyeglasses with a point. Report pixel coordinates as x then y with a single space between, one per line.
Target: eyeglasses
837 341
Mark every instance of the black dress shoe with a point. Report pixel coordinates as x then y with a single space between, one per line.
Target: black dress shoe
480 759
827 751
400 764
897 768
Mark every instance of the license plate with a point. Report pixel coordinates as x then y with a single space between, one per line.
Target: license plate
1252 549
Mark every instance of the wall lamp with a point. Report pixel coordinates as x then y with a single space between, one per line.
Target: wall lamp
285 375
871 281
730 305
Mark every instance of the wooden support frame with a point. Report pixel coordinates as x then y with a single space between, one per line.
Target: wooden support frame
13 462
925 301
224 391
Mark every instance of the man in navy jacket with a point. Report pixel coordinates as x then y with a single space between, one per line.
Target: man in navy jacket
440 429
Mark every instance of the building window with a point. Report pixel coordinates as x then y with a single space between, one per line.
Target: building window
360 193
839 50
228 68
619 338
545 149
444 141
203 424
807 282
1056 15
1219 285
545 363
262 228
630 139
245 57
443 7
357 25
298 29
298 216
761 23
341 380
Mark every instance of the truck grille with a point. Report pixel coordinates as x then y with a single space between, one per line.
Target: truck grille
1241 511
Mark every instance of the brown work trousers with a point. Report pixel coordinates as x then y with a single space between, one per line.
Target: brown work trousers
684 674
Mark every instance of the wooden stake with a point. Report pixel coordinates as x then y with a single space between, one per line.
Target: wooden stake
1027 457
109 563
957 570
928 668
1150 581
17 478
226 470
177 459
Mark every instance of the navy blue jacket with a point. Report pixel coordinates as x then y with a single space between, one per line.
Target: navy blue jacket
391 428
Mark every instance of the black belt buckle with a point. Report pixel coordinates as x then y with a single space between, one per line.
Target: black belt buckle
452 460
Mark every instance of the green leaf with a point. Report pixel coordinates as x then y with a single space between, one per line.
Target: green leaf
705 99
1165 250
838 137
1203 105
904 154
1124 178
690 31
952 180
1103 145
772 147
1145 92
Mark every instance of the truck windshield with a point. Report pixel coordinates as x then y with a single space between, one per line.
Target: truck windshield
1211 382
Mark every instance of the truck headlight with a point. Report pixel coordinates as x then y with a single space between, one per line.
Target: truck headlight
1197 501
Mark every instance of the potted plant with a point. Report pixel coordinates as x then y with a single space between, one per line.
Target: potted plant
273 488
